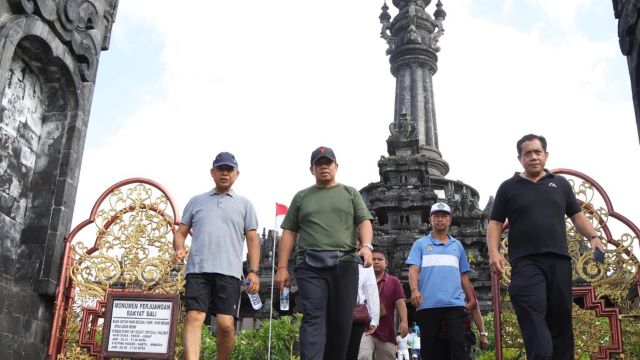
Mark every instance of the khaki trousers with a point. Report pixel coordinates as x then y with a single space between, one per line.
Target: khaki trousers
371 348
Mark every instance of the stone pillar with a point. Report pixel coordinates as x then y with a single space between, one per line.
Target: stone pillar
412 177
412 37
626 11
49 52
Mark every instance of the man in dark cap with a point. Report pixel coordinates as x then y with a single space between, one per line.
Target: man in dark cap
220 220
325 218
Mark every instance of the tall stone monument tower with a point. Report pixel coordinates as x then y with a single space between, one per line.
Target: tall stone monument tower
412 176
626 11
49 52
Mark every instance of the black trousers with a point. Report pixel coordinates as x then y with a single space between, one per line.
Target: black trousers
354 341
541 296
327 299
442 345
430 322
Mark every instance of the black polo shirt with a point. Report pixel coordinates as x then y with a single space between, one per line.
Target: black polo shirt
536 214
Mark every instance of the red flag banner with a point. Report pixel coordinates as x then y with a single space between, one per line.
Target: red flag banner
281 209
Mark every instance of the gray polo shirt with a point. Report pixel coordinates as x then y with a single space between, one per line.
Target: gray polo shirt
218 223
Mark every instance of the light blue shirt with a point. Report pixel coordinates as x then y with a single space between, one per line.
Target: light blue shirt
219 223
440 267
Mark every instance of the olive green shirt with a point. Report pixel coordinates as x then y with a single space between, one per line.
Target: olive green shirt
326 218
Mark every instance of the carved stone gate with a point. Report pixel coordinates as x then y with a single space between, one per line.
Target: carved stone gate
130 249
606 304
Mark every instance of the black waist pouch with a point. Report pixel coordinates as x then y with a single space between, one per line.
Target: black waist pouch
322 259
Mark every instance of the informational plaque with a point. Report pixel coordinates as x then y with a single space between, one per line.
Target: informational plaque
140 325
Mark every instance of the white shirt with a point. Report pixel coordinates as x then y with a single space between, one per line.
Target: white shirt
368 290
416 343
403 345
412 339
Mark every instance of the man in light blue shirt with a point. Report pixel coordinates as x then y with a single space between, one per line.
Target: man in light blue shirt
438 280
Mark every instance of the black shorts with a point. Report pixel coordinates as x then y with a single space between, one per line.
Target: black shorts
221 291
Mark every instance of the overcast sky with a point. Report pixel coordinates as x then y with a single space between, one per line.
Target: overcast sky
271 80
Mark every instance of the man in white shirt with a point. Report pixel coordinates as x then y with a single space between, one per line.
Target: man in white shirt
411 339
403 347
416 347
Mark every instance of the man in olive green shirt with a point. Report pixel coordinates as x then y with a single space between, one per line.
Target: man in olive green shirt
325 218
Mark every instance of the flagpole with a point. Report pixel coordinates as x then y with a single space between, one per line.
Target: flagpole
273 262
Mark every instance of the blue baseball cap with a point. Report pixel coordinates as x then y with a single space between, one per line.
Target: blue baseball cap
225 158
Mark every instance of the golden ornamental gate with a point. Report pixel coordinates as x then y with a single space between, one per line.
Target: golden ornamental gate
130 250
606 310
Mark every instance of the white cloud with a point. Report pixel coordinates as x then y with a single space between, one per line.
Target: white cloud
507 6
270 83
561 13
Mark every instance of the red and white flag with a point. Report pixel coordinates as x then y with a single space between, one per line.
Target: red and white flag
281 209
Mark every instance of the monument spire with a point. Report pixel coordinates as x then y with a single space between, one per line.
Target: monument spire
412 38
413 175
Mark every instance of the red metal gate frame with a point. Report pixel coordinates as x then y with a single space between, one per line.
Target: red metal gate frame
65 292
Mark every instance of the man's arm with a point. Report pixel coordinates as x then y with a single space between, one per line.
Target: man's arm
584 227
467 287
365 231
178 242
497 262
284 252
403 327
477 319
416 296
373 300
253 250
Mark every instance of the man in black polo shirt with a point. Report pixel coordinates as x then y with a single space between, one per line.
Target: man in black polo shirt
535 203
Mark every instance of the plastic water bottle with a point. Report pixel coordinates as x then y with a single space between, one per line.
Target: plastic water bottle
173 274
284 299
254 298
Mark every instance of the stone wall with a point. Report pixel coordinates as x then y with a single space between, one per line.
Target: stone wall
20 128
49 52
628 14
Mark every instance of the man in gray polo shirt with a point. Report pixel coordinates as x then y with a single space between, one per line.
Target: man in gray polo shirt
220 220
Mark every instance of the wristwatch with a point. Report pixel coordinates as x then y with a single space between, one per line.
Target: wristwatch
484 333
253 270
369 245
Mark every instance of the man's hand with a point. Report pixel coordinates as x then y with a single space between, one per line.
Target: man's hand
403 328
365 252
484 342
471 305
179 254
282 278
254 287
416 298
179 236
596 242
370 330
497 263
